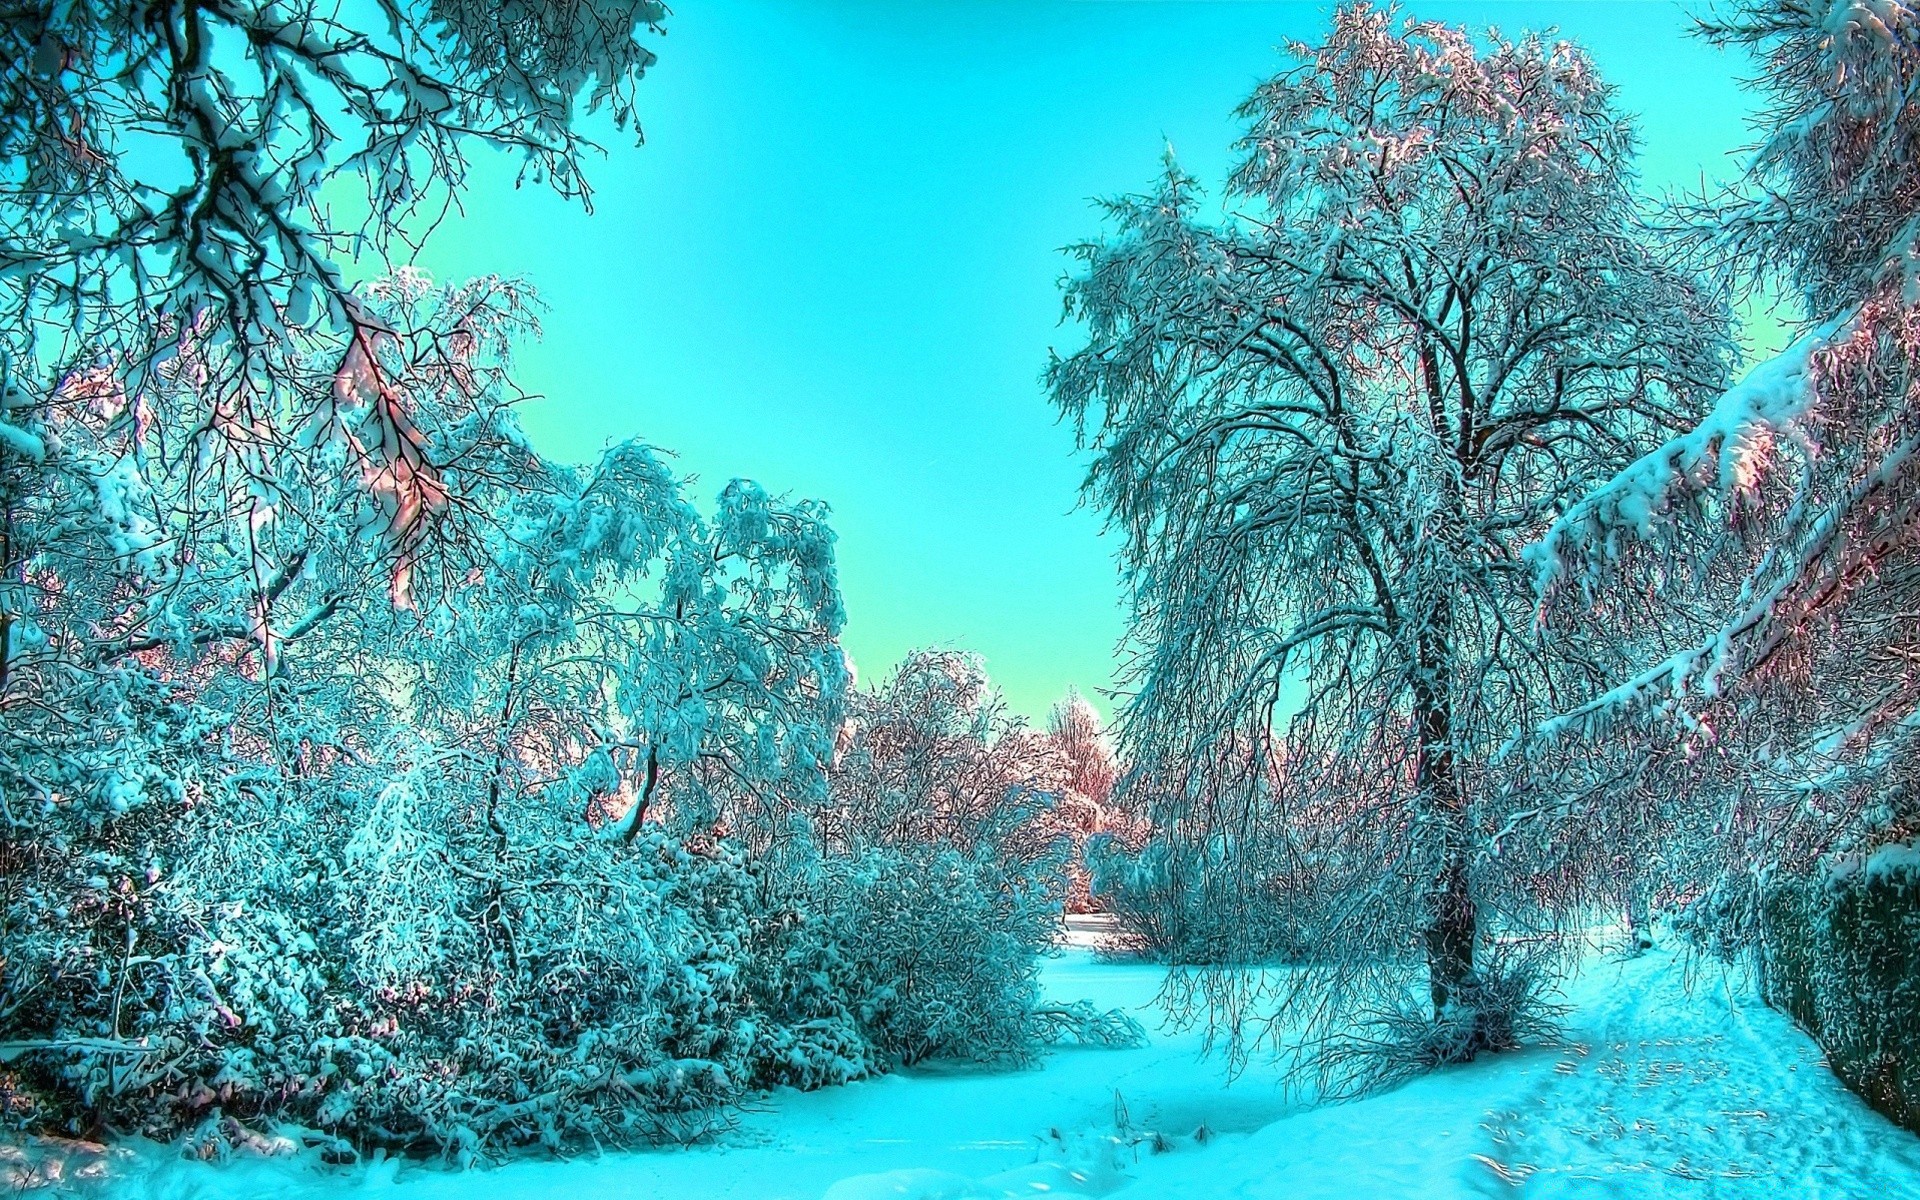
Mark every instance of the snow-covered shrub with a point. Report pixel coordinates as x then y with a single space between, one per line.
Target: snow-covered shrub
623 1019
941 950
1180 903
208 1011
906 916
942 863
1391 1038
889 956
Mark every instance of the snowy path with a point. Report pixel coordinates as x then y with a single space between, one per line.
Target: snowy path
1659 1092
1705 1094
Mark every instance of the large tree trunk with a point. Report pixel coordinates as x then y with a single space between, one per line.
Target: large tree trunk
1639 916
1452 919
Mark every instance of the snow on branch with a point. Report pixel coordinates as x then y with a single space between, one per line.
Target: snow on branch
1723 454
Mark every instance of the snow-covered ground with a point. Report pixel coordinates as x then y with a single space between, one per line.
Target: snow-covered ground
1661 1090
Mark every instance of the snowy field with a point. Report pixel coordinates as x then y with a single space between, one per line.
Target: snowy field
1660 1090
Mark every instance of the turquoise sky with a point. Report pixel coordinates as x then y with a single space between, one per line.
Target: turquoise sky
833 268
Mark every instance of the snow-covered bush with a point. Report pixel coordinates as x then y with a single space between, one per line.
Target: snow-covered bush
917 919
273 1000
941 949
1397 1037
887 956
1182 903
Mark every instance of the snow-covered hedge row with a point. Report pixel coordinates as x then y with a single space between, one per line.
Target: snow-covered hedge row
1842 957
624 1017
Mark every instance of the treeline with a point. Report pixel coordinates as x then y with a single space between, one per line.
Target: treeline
367 779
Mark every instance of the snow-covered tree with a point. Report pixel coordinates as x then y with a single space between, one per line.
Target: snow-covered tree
177 202
1085 805
186 158
1079 733
1327 424
1749 584
932 756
